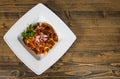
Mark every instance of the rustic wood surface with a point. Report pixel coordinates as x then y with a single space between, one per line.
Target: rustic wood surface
94 55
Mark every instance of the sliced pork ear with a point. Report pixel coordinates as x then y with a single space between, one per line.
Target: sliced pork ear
39 24
47 28
55 38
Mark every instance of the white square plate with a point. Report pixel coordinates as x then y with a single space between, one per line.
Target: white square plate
40 13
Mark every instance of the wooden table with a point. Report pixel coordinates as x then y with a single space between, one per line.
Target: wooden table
94 55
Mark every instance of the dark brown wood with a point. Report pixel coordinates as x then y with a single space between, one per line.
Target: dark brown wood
94 55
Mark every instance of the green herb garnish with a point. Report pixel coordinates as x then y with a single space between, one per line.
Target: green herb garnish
29 32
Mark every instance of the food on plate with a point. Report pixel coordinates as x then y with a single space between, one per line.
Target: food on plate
39 37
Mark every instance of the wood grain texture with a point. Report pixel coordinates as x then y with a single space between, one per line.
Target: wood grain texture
94 55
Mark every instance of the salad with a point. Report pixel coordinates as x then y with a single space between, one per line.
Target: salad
39 37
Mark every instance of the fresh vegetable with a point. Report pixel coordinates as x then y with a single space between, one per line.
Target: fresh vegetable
29 32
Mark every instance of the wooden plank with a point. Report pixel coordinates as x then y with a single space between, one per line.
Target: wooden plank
72 5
